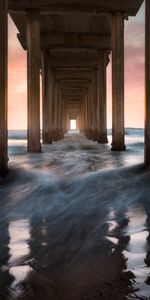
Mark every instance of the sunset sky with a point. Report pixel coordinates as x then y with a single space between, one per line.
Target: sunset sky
134 77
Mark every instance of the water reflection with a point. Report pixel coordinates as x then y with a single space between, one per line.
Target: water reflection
77 246
71 229
136 250
19 232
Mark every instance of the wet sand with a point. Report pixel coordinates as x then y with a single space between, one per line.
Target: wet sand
75 222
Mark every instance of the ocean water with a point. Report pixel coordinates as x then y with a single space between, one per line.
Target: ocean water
75 221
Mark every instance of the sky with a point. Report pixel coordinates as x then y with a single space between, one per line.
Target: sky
134 77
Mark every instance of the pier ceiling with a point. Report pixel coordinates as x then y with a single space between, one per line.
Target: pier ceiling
95 6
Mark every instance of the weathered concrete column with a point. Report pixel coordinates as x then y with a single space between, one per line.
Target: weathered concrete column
33 79
55 111
46 87
95 105
63 122
64 116
93 108
147 84
102 113
60 115
83 116
118 81
68 122
86 113
78 122
89 106
3 87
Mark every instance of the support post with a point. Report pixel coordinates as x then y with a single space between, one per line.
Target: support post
102 113
55 111
147 84
33 79
118 81
46 103
3 87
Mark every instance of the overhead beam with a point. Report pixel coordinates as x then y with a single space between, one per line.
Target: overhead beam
71 40
72 85
74 58
75 74
129 7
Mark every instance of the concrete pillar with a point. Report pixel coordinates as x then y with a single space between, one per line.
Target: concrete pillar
78 122
102 113
87 114
147 84
63 119
63 116
89 124
55 111
46 91
82 117
92 111
85 119
33 79
68 122
59 114
52 99
3 87
95 102
118 81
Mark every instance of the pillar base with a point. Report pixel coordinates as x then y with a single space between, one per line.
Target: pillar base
47 139
47 142
34 149
102 140
55 138
3 171
4 166
147 150
118 148
95 139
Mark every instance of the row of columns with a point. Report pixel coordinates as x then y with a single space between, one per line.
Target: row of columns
54 109
100 133
54 113
94 112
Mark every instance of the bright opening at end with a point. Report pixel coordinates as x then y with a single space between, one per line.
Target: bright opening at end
73 125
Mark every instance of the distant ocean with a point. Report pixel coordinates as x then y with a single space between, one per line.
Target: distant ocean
134 139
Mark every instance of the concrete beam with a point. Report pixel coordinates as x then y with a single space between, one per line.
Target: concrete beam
126 6
71 40
75 74
79 85
74 58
